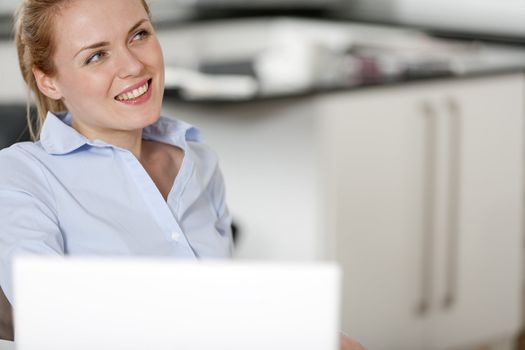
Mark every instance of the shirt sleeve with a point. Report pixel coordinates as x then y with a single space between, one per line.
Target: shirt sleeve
224 222
27 226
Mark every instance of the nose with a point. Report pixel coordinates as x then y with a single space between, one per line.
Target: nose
129 64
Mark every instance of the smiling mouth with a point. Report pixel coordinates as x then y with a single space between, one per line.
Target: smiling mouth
135 93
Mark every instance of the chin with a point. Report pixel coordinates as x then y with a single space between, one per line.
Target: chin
139 117
146 119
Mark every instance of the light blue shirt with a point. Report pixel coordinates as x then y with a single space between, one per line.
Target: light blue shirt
67 195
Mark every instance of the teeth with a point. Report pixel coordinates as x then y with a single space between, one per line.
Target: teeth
133 94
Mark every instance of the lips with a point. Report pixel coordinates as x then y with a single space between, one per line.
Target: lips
136 94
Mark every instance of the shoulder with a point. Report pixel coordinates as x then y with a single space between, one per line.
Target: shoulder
203 153
17 155
21 165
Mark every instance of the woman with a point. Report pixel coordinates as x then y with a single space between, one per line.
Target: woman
107 175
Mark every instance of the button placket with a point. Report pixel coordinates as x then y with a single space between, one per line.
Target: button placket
160 208
175 236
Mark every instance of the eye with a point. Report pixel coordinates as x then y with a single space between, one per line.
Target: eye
140 35
97 56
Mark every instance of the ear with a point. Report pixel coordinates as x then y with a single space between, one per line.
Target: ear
46 84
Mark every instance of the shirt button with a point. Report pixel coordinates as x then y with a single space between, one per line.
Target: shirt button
175 236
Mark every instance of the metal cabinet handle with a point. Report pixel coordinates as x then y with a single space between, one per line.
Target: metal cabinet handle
429 195
452 257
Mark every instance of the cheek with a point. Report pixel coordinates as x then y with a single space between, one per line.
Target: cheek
94 86
155 56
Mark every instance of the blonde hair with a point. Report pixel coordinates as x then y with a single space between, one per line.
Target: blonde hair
35 45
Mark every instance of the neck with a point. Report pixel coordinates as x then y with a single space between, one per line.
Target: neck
130 140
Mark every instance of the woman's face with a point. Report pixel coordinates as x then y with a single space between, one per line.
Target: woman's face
109 66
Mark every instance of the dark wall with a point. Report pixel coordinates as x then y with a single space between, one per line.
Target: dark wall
13 126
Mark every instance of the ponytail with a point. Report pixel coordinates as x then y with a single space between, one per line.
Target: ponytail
34 45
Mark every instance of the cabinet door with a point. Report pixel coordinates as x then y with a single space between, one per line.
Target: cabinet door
378 174
479 274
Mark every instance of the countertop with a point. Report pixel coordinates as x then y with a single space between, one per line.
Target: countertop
279 57
267 58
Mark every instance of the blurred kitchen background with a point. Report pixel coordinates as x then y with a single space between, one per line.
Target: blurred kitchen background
385 134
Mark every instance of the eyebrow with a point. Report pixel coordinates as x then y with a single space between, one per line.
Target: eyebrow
106 43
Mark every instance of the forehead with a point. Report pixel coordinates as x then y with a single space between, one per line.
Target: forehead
84 22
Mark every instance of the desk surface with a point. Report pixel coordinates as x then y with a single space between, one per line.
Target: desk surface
7 345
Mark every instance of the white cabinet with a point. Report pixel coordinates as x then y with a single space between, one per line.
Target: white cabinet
427 186
416 189
375 183
490 216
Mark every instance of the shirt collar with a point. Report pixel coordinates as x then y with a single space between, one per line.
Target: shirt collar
171 131
58 137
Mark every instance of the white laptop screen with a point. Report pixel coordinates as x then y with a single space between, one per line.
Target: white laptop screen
124 303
